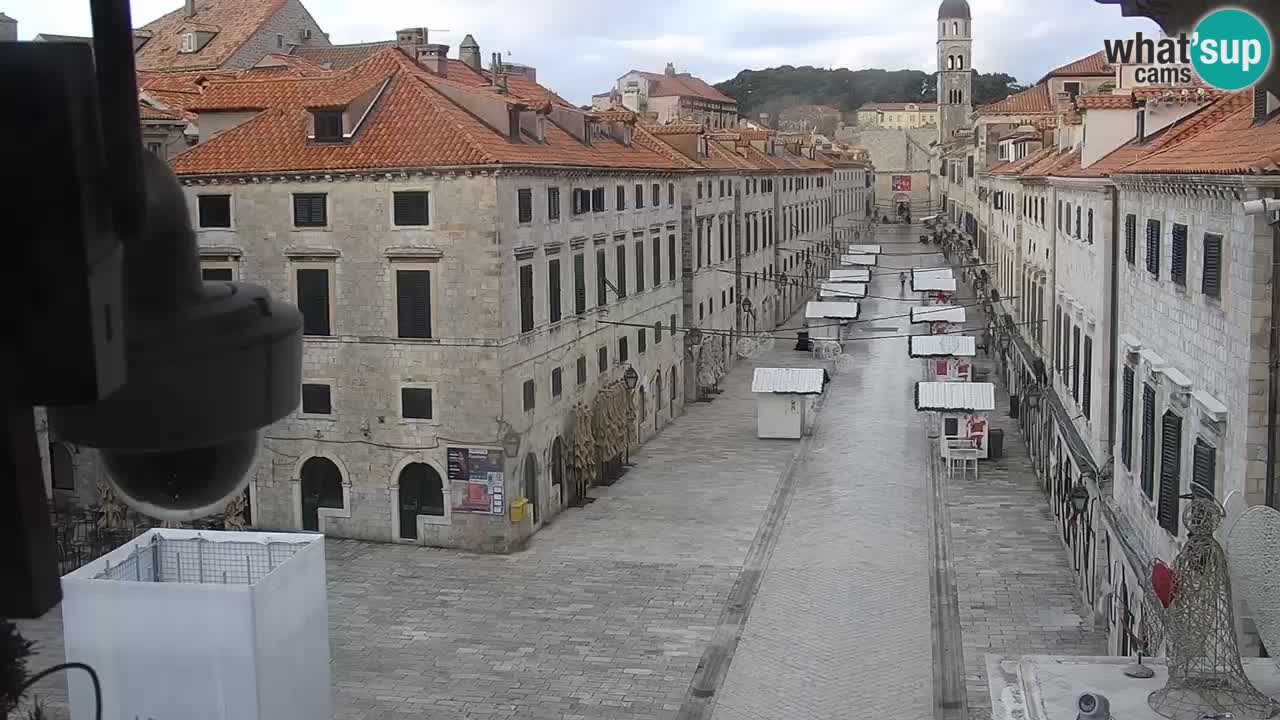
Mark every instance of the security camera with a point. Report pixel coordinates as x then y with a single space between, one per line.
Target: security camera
1093 706
207 365
1261 205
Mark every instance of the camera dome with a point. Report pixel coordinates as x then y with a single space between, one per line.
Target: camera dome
182 484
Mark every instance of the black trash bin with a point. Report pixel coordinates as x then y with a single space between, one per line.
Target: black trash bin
995 444
803 344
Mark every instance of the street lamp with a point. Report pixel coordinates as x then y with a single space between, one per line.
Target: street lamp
511 443
631 378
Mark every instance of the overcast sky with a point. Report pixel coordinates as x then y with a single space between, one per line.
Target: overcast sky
581 46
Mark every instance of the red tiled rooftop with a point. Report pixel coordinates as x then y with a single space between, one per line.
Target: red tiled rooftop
1224 140
682 84
1104 101
232 21
341 57
1091 65
1033 100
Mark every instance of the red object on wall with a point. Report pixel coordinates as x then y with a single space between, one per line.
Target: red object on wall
1164 581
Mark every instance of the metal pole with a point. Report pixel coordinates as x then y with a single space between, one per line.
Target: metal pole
1273 373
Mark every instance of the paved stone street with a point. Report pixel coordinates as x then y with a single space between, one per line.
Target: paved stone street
809 590
1013 574
841 625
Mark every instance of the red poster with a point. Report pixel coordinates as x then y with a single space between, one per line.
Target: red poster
940 367
901 183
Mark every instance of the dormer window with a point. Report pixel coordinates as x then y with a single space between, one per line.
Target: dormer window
188 43
328 125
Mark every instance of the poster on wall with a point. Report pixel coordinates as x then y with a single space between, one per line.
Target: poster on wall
476 479
901 183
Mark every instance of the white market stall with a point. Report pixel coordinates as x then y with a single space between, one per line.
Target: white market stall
939 317
849 275
865 249
933 284
951 356
784 400
964 408
826 319
202 625
941 272
858 259
829 290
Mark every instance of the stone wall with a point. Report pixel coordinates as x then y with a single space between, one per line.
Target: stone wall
289 21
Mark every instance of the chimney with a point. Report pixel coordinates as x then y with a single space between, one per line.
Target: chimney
469 52
191 8
8 29
670 71
435 58
410 40
495 69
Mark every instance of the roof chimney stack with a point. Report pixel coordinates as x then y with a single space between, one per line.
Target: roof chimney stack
435 58
8 29
469 52
191 8
670 71
1261 105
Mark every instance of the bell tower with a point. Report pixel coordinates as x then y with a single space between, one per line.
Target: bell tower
955 71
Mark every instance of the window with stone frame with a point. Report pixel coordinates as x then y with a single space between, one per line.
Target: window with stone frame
1086 382
620 269
602 360
526 299
553 290
1148 440
317 398
1169 502
557 382
1075 363
310 210
1153 247
213 211
639 196
1126 417
1131 238
314 300
602 279
1211 269
597 200
413 303
413 208
673 268
655 194
524 206
415 403
624 353
553 204
1204 468
582 370
1178 254
530 393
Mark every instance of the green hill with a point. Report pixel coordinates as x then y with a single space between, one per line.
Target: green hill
776 89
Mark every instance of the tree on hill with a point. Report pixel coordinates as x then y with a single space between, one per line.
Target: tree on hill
776 89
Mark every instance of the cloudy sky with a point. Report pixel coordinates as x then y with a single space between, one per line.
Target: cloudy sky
581 46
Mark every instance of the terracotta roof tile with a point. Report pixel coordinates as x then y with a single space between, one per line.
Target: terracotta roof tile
150 113
1015 167
675 129
682 84
1190 92
1221 140
341 57
1104 101
1033 100
1095 64
233 21
412 124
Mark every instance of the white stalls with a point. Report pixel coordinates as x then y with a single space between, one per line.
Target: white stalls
839 290
964 408
950 356
849 275
939 317
202 625
784 400
864 249
825 320
859 260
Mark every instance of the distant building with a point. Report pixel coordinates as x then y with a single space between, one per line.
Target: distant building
897 115
672 96
809 118
224 34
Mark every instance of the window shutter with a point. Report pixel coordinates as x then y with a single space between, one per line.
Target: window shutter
316 399
415 403
1153 247
313 301
1178 255
1077 222
413 298
411 208
1090 229
1211 277
1204 467
1126 418
1086 371
526 298
671 257
597 200
621 284
1131 238
553 291
656 240
602 280
1170 472
1075 363
557 382
215 211
524 204
1148 440
621 197
579 284
309 210
553 203
640 266
530 396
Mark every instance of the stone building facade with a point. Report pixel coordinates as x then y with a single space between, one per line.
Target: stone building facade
670 97
224 34
896 115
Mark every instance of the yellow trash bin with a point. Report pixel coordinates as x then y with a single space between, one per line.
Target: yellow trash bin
518 510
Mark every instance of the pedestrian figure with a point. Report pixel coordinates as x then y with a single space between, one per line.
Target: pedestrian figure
986 343
902 283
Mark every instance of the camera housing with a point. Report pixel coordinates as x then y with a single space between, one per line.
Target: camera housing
207 365
1093 706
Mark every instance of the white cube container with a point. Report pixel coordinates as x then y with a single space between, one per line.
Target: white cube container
202 625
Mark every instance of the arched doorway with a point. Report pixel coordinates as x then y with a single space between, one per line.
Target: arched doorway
421 493
531 485
62 468
557 467
321 487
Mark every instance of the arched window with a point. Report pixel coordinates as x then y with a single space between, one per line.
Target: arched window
421 493
951 62
959 62
959 97
321 482
955 28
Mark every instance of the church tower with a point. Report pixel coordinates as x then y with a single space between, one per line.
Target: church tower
955 74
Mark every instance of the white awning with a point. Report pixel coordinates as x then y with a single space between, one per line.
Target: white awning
864 249
831 310
955 396
864 260
932 272
942 346
933 284
795 381
938 313
843 289
850 275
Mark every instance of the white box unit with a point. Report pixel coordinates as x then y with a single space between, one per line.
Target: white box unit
202 625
